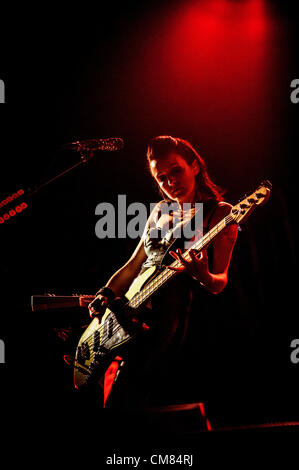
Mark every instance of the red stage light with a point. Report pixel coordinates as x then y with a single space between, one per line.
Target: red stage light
6 201
110 376
7 215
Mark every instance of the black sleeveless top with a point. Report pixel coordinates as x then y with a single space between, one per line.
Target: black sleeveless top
172 302
164 347
157 240
153 360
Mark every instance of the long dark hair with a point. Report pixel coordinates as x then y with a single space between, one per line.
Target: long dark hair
159 147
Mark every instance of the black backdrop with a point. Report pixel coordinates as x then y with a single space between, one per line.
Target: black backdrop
67 76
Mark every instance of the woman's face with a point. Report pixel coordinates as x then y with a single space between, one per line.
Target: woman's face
175 177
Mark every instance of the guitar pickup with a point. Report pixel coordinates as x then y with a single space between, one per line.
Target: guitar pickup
100 350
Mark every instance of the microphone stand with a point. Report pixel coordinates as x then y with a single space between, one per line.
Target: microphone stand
85 155
86 150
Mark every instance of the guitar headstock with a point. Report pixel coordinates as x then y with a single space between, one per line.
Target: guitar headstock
243 209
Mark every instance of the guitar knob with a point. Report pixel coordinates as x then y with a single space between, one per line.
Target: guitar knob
252 200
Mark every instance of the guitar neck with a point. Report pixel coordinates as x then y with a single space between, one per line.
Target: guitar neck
55 302
166 274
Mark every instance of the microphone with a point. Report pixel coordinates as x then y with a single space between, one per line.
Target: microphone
110 144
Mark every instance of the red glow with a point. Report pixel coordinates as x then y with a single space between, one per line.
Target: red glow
209 427
207 69
218 40
20 192
110 376
12 212
202 409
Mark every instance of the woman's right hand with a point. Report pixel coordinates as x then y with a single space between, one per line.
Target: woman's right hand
98 306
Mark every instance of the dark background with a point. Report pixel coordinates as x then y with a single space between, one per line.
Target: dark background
216 73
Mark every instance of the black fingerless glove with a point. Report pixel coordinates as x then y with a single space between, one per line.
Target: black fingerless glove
106 292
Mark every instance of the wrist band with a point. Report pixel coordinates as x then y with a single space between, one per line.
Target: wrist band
106 292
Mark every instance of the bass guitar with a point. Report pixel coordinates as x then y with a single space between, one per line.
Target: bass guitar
103 338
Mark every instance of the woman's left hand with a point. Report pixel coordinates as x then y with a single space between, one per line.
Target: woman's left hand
197 266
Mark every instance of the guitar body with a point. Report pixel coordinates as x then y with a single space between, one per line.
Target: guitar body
101 339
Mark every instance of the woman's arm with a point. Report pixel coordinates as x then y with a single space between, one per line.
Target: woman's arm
121 280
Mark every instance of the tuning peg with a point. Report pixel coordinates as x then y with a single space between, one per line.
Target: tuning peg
246 195
244 205
253 199
267 184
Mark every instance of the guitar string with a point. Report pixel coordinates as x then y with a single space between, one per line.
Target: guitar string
147 290
226 221
90 339
96 335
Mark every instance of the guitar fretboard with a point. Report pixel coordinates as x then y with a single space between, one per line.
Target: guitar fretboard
166 274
